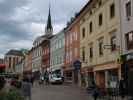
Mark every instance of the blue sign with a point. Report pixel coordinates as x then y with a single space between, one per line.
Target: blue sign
77 65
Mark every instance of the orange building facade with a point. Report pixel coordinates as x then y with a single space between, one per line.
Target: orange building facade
27 70
46 56
72 51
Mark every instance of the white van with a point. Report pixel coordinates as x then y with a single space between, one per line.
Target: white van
55 78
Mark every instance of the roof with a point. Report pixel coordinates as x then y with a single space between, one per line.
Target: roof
80 13
49 24
49 28
15 52
82 10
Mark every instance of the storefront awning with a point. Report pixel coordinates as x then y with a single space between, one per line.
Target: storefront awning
2 66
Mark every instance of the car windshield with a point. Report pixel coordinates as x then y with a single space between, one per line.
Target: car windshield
56 75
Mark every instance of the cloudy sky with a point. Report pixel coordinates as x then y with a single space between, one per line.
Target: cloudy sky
21 21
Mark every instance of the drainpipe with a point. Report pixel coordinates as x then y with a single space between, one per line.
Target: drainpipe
121 35
121 32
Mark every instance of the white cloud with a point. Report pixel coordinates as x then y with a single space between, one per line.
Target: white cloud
21 21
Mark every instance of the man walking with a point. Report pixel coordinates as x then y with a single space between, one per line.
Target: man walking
26 88
122 88
46 75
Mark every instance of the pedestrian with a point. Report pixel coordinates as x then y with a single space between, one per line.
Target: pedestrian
95 91
62 78
32 80
46 75
42 80
26 89
122 88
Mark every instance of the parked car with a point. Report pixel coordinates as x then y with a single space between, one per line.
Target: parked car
55 79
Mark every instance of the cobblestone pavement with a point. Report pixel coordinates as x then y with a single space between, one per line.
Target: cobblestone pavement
59 92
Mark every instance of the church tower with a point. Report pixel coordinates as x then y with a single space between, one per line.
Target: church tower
49 28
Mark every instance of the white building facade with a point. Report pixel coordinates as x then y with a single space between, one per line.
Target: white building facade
11 58
19 68
37 55
127 25
127 43
57 53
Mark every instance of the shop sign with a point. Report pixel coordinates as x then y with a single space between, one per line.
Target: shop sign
77 65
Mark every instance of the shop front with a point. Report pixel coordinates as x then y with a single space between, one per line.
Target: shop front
72 72
127 71
76 71
107 75
87 76
68 73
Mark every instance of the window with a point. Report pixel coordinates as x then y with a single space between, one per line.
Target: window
76 52
57 59
83 32
61 59
83 54
100 19
71 36
101 46
17 59
91 52
113 40
112 10
91 27
128 9
66 56
9 62
60 42
70 55
76 37
63 41
129 40
68 40
113 43
100 3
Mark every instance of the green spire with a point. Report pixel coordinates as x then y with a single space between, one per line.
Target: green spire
49 28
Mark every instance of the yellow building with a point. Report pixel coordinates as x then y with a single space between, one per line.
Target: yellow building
100 43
